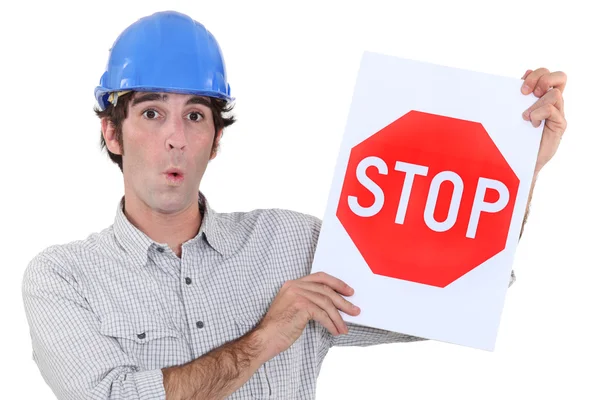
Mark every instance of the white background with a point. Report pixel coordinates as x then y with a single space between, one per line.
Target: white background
292 68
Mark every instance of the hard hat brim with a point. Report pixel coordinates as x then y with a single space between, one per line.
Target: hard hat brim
102 94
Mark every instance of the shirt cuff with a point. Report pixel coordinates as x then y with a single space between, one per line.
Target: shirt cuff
150 384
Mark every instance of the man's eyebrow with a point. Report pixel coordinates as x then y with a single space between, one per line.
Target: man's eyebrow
198 100
158 96
148 97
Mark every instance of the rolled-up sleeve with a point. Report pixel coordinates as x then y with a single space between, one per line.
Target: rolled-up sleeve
359 335
74 358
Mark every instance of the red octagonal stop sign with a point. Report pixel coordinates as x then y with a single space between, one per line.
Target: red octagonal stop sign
428 198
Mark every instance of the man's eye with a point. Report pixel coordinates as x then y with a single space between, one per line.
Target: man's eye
150 114
194 116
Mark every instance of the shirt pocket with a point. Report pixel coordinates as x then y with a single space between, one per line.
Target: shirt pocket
151 341
259 384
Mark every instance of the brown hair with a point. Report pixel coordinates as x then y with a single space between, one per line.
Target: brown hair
117 114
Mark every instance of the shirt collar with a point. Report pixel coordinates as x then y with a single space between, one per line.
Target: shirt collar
137 244
215 230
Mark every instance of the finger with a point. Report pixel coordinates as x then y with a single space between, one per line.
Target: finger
338 301
325 303
549 113
531 81
557 80
322 317
553 97
336 284
527 73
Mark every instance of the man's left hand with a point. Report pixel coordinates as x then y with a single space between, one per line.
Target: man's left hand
549 87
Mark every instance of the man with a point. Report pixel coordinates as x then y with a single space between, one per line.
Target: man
174 300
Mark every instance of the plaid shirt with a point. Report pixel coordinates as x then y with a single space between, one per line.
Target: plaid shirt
107 313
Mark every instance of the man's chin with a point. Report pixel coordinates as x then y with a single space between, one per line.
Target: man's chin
174 201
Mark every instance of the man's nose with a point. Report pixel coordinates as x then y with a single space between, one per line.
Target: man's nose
176 138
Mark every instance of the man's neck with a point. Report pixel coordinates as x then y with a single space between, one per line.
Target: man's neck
173 229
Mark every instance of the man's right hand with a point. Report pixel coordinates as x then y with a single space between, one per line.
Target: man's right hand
316 297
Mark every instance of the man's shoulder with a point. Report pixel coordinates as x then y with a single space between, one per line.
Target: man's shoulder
271 218
60 258
270 229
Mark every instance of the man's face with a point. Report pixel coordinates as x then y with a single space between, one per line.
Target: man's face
167 141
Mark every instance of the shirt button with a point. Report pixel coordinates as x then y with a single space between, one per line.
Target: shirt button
142 335
160 250
188 281
200 324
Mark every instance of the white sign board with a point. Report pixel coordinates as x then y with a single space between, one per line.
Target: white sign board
428 197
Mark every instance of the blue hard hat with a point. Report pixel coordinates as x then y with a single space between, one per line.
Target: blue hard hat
165 52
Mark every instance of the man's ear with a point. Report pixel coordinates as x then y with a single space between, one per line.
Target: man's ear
110 137
216 145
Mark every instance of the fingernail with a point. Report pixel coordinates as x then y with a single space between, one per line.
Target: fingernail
356 308
526 115
351 290
525 89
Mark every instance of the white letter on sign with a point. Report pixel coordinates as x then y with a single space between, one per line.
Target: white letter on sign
434 191
361 175
411 170
479 205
